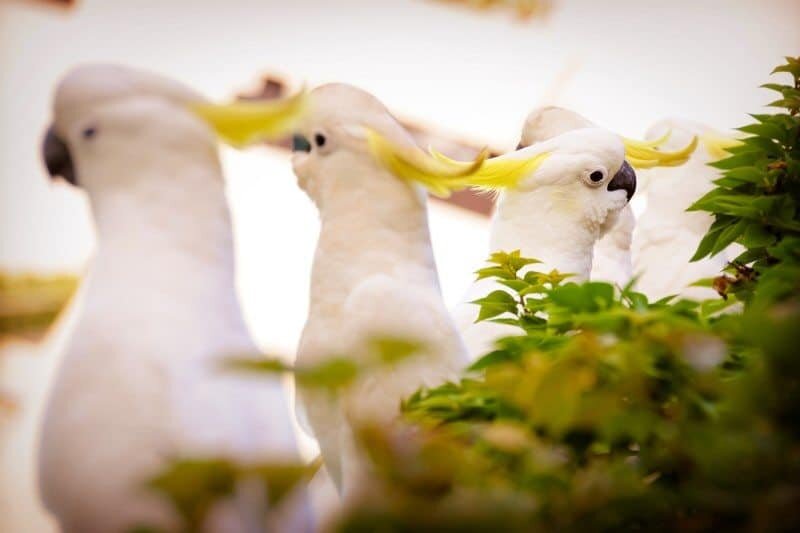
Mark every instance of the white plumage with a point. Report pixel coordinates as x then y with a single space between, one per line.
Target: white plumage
611 259
667 236
373 275
556 215
141 381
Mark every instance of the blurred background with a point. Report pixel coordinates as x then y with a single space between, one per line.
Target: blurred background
471 74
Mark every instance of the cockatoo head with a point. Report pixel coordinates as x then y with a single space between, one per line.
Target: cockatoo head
332 153
114 127
666 149
109 121
601 205
585 177
546 122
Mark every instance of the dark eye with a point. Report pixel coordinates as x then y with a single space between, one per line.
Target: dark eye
300 143
89 132
319 140
596 176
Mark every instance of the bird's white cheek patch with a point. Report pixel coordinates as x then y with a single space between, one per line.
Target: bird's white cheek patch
564 201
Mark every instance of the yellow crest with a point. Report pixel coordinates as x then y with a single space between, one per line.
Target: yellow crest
717 146
247 122
442 176
646 154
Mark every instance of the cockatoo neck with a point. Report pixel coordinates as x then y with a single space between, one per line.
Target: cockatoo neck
165 245
543 224
378 227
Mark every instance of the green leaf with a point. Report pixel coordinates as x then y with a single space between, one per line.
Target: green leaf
259 364
756 236
790 67
712 307
728 235
496 303
494 272
765 129
280 479
194 485
516 285
389 350
739 160
745 174
496 357
753 254
709 241
331 374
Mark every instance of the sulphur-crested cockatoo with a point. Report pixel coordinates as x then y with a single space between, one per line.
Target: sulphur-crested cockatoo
374 274
611 259
141 382
667 235
580 194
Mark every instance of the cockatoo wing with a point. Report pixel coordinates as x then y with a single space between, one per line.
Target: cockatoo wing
380 307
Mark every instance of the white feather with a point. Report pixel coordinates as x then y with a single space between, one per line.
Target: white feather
141 382
373 275
555 216
666 235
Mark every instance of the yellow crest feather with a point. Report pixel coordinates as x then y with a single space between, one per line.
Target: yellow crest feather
247 122
646 154
496 174
442 175
717 146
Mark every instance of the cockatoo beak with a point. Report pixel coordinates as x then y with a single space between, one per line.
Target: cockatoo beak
247 122
57 158
624 179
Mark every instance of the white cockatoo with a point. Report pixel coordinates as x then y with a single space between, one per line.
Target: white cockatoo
374 274
667 235
579 197
611 258
141 382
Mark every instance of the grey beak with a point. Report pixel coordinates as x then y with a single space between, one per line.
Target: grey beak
57 158
624 179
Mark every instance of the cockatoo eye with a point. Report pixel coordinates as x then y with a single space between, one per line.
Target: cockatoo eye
323 143
89 133
597 176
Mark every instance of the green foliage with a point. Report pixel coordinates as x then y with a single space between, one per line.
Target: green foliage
755 202
335 372
193 486
30 304
608 412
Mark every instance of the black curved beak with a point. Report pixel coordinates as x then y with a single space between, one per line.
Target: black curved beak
57 158
624 179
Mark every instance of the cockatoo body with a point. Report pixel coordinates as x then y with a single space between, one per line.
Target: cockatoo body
373 275
558 214
611 258
667 235
141 382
